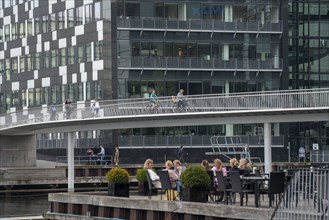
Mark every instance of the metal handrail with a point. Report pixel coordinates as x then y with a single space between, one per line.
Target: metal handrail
204 25
293 99
197 63
305 197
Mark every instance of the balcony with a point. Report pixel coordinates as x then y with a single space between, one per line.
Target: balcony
199 64
199 25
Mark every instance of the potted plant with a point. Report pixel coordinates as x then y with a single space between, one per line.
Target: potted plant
143 185
118 182
196 182
142 181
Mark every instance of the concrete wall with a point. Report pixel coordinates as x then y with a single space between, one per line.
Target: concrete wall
18 151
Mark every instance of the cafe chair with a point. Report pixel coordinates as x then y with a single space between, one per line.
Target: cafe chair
275 187
166 185
213 193
223 187
237 187
150 185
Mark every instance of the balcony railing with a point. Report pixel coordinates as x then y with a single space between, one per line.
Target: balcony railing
199 64
197 25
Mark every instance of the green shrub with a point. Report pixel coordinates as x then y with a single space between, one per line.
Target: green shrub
195 177
141 175
117 175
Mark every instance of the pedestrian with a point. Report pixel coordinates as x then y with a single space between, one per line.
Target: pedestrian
101 154
116 156
181 154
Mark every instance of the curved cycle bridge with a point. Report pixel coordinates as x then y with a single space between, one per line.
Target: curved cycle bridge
17 129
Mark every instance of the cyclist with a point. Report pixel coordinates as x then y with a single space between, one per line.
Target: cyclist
68 108
154 100
53 115
181 100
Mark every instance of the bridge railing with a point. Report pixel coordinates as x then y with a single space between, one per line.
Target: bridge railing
306 196
319 156
269 100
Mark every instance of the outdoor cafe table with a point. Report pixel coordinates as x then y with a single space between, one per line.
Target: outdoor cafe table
256 180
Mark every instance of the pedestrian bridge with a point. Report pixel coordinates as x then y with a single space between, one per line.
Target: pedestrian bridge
239 108
214 109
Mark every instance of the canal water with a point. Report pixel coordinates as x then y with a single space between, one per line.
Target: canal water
23 205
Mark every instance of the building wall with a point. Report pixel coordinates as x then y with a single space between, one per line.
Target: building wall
308 64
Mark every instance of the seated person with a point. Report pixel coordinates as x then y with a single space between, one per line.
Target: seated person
154 177
234 165
174 179
243 167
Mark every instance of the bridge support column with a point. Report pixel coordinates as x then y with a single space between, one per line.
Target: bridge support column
70 161
267 147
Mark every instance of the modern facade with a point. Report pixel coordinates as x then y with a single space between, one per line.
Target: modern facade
81 50
308 64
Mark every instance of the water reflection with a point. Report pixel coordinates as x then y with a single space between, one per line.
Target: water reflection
24 205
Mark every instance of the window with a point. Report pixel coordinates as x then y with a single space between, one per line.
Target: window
22 64
88 52
79 16
70 55
54 58
45 24
88 13
23 97
63 56
7 32
98 11
14 65
14 31
61 20
15 98
30 97
37 96
80 91
45 59
1 34
37 25
132 9
45 95
55 94
2 68
29 61
7 69
80 54
53 22
37 63
29 28
70 17
98 54
22 30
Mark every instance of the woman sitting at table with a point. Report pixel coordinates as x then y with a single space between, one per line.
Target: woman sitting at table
234 165
154 177
205 165
175 182
218 166
243 166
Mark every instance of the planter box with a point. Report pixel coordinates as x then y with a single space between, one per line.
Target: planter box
118 189
195 195
143 189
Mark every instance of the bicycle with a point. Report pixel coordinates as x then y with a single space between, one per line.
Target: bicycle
68 112
181 106
152 108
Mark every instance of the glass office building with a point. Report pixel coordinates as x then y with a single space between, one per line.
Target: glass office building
309 63
100 49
